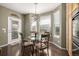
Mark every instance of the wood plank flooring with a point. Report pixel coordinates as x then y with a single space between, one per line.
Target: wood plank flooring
52 51
76 53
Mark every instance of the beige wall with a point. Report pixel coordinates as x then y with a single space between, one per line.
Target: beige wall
27 25
62 40
56 40
4 13
63 31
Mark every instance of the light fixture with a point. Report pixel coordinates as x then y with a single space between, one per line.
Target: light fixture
35 15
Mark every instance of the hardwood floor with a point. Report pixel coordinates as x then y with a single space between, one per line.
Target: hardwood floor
52 51
76 53
55 51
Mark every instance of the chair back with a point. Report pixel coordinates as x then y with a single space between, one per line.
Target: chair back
46 36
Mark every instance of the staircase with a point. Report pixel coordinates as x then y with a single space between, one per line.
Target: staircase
75 43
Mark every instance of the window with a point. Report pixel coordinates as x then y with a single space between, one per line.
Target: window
14 29
57 21
45 23
34 26
33 29
15 25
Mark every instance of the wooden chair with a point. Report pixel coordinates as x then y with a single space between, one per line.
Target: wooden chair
31 45
43 43
27 48
34 41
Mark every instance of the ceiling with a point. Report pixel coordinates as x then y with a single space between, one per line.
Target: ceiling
25 8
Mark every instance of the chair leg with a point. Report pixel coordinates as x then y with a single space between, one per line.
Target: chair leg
38 53
32 48
47 52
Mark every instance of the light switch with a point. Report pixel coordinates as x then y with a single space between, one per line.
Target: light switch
4 30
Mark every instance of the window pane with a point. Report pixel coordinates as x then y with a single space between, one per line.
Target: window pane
34 26
57 20
15 26
45 23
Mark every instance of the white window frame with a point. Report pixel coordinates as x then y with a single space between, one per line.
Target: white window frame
10 40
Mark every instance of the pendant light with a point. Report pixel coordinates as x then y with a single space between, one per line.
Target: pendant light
35 15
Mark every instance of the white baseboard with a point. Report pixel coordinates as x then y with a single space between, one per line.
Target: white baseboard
58 46
63 48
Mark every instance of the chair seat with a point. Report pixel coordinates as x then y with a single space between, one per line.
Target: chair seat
44 47
27 43
39 46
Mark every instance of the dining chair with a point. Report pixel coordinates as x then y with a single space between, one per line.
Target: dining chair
43 43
